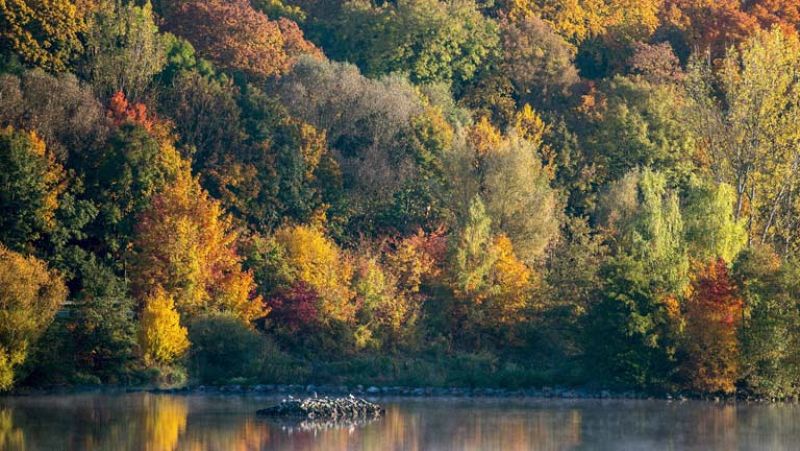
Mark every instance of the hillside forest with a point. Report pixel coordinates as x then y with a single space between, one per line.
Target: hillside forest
504 193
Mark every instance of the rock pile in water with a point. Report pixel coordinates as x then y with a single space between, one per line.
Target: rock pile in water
324 408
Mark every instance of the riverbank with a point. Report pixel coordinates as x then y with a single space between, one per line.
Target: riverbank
297 390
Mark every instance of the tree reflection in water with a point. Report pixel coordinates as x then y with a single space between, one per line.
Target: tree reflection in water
162 422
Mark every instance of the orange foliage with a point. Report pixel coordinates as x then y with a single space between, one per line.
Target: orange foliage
782 13
713 313
185 244
710 25
121 111
236 36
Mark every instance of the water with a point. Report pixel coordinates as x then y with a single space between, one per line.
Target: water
164 422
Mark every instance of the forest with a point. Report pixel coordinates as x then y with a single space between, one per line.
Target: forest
496 193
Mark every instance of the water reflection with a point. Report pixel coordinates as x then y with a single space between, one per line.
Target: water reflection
160 422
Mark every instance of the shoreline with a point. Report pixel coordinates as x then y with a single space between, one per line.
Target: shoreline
375 391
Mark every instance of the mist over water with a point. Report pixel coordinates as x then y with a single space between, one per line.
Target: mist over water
167 422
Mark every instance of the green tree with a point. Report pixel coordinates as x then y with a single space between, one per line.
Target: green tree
431 40
518 196
124 50
31 185
769 331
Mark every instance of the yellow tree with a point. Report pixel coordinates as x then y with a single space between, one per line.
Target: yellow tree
161 335
754 136
512 282
44 33
30 295
314 259
185 244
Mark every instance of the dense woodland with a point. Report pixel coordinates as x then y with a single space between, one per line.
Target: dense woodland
412 192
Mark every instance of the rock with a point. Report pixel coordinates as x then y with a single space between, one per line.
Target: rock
373 390
324 409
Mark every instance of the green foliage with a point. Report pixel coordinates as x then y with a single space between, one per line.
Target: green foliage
224 348
768 335
431 40
123 49
31 184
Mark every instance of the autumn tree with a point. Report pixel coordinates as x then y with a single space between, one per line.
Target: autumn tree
161 336
713 313
757 148
44 33
768 331
515 185
30 296
184 244
536 60
62 111
315 260
235 36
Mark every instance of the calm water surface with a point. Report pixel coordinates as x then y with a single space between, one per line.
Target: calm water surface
164 422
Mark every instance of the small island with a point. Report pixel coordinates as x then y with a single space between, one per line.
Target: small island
325 408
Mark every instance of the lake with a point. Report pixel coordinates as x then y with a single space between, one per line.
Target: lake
144 421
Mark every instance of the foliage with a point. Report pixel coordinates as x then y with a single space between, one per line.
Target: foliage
223 348
123 49
44 33
162 338
712 314
30 296
31 184
431 40
313 259
185 245
236 36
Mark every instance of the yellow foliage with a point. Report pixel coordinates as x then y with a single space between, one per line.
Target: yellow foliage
484 137
531 127
45 33
317 261
186 245
512 284
30 295
162 337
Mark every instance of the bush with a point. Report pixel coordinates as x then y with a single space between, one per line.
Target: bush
224 348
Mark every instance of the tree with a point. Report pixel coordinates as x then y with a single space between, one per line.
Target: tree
162 338
62 111
770 320
223 349
711 230
237 37
124 50
30 296
431 40
185 244
536 60
315 260
708 25
636 323
44 33
638 124
471 257
133 167
713 312
518 196
744 117
371 127
31 185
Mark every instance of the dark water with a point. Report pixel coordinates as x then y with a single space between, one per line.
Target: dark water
164 422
